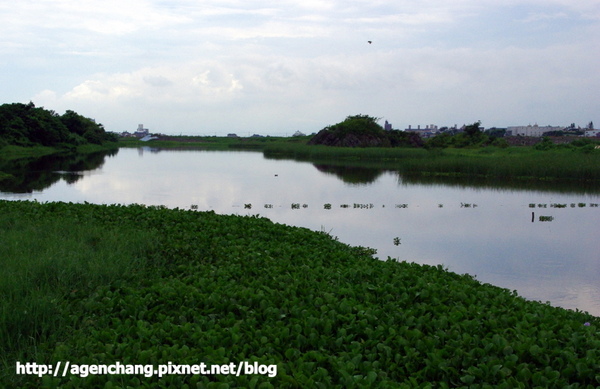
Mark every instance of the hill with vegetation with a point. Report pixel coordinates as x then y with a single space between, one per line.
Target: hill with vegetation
364 131
27 125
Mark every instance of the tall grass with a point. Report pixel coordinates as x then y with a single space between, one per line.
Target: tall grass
47 261
514 162
306 152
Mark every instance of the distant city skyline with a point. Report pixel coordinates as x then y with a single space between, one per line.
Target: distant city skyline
216 67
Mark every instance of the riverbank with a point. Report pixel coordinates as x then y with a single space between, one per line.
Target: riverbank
98 284
11 155
550 160
16 152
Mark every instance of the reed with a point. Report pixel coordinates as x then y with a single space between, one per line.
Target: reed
48 261
524 163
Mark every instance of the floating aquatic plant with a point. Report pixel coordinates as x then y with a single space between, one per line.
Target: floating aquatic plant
327 206
546 218
325 313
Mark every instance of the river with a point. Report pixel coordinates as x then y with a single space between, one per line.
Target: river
543 243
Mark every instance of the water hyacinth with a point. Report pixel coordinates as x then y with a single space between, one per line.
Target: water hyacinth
203 287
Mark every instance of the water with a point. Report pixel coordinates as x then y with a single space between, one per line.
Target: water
514 238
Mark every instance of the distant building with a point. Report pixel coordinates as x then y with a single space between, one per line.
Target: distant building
592 133
530 130
387 126
427 132
232 135
298 133
141 131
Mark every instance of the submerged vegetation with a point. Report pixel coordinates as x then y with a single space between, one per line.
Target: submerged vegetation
98 284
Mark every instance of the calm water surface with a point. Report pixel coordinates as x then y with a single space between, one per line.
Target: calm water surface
516 239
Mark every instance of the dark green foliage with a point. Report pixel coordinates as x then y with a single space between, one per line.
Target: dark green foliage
225 289
363 131
472 136
27 125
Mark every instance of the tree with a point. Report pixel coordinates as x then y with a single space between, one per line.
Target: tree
473 130
28 125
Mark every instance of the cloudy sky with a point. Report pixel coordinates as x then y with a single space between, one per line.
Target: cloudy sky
206 67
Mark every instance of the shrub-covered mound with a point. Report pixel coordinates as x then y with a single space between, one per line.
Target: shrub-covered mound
363 131
28 125
223 289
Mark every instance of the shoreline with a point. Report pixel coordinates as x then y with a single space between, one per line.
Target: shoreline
322 311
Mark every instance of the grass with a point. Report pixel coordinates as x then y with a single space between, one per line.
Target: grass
15 152
209 142
193 287
45 260
513 163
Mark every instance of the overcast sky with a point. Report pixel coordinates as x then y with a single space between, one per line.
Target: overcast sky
206 67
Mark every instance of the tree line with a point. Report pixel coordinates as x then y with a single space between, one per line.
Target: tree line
27 125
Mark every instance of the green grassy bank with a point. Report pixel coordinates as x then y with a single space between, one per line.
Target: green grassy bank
97 284
568 163
574 162
15 152
211 142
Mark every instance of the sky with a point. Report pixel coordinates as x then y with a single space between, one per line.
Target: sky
209 67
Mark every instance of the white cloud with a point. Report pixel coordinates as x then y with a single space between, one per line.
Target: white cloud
253 64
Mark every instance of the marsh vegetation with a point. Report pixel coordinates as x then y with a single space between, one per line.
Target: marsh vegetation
149 285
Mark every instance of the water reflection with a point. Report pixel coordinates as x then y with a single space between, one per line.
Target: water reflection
469 227
36 174
353 175
348 171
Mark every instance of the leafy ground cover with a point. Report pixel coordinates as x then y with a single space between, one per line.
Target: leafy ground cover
197 287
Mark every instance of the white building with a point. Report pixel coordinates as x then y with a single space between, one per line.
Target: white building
530 130
141 131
